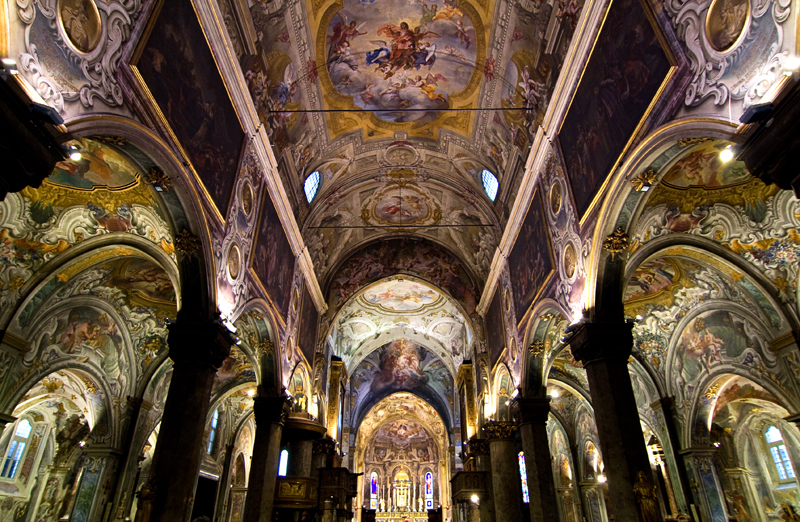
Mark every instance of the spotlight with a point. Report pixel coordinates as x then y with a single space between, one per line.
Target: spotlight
555 393
9 62
475 499
74 153
601 479
791 64
726 155
251 392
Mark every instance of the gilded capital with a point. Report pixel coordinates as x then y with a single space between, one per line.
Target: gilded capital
500 430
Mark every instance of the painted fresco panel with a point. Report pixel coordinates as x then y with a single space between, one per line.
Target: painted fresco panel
621 79
309 319
401 365
178 68
409 256
531 259
495 329
273 260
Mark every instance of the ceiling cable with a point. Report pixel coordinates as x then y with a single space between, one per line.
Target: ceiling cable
467 109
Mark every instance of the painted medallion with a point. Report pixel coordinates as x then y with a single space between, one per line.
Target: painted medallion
82 23
725 22
234 262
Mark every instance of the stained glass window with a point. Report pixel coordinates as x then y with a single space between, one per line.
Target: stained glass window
780 457
523 475
311 186
373 490
428 490
490 184
283 463
16 449
213 434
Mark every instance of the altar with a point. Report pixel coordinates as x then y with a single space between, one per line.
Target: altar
399 505
402 516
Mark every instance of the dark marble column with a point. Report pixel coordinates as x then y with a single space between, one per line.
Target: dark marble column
128 462
604 348
197 348
270 414
506 488
478 450
531 414
223 492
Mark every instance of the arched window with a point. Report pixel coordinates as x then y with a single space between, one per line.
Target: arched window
213 435
523 476
489 184
311 186
16 449
428 490
373 490
780 457
283 463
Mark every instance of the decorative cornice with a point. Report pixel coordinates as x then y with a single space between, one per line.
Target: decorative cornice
616 242
644 179
476 447
160 180
497 430
187 242
536 348
324 447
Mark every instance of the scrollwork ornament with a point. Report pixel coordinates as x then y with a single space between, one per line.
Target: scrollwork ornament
616 242
98 66
187 242
710 66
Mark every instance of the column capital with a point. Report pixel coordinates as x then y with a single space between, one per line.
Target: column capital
593 342
324 446
202 341
497 430
795 418
477 447
531 410
271 409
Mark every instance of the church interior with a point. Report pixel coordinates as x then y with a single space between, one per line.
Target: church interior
399 260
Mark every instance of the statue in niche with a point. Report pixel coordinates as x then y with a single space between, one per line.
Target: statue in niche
788 513
419 503
645 494
383 506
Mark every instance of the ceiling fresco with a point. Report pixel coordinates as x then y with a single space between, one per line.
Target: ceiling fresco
338 84
396 308
400 365
406 408
402 62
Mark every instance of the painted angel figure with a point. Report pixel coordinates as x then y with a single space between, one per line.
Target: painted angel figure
428 85
343 32
449 10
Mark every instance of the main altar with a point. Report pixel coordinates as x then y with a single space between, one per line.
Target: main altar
399 505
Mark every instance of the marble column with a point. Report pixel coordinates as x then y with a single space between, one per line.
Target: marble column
506 488
603 349
478 451
197 349
531 414
704 482
129 462
6 419
224 488
323 455
676 469
270 415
